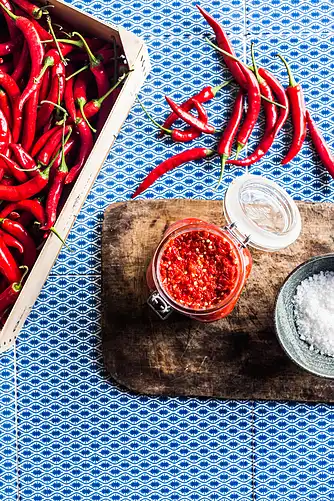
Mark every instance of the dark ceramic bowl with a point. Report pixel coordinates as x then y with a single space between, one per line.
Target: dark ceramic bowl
286 329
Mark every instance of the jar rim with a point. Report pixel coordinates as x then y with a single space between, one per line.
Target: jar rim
263 212
236 251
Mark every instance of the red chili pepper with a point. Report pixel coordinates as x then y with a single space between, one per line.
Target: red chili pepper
68 94
29 124
43 140
55 95
3 164
7 181
52 57
52 146
94 106
29 8
298 115
253 109
14 216
25 190
270 109
270 112
268 139
10 241
184 136
8 266
5 107
45 85
227 138
25 219
190 119
36 52
281 96
4 128
10 87
4 147
9 296
169 164
18 231
54 194
7 48
56 161
223 42
7 67
320 144
42 32
33 206
24 159
22 64
178 135
13 169
80 92
97 68
203 96
86 147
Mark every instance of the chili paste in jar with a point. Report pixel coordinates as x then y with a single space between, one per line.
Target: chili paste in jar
198 269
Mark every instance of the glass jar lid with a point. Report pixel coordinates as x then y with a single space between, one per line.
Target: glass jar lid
262 213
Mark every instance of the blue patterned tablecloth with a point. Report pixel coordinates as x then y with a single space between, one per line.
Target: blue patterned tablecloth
69 434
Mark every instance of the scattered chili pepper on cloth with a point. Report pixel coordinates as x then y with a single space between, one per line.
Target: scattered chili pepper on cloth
257 87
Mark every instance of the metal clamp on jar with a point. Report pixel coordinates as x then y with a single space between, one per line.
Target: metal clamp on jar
200 269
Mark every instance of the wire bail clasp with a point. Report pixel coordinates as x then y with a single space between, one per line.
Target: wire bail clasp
159 305
232 229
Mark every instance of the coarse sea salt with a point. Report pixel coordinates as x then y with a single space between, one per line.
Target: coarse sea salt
314 312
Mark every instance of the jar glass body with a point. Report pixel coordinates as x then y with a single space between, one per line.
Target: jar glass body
243 264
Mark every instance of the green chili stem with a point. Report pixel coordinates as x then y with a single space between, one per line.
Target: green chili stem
292 81
219 87
60 149
86 67
77 43
18 285
94 61
48 62
256 71
168 131
48 20
55 232
107 94
8 12
46 7
56 106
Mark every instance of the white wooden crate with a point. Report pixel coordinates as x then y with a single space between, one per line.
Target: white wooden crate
137 57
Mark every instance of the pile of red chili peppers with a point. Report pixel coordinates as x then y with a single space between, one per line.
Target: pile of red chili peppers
259 87
56 91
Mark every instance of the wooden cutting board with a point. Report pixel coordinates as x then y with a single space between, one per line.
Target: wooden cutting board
237 357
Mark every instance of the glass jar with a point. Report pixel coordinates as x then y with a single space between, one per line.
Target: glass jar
259 214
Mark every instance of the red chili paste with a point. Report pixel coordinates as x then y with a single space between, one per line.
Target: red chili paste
198 269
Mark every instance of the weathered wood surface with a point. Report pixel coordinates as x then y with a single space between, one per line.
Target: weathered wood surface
237 357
